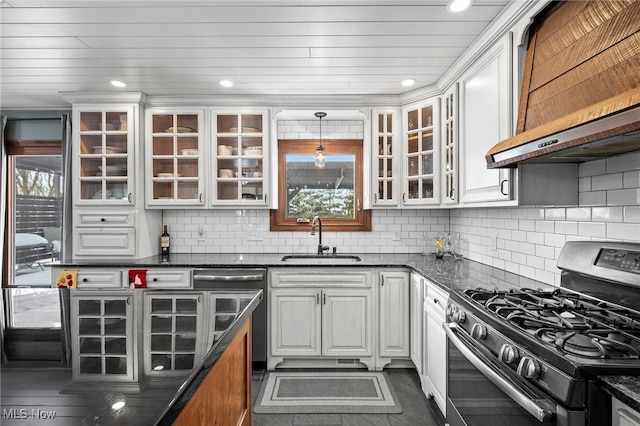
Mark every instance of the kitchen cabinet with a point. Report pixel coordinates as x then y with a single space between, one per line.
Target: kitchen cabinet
102 337
485 118
385 155
623 415
173 332
321 315
450 146
240 158
168 278
104 140
393 315
435 361
109 218
175 157
421 154
417 332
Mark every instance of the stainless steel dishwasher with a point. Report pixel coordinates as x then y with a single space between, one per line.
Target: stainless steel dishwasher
241 279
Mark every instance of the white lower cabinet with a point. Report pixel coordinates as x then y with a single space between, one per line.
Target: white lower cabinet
393 316
173 332
321 316
417 331
102 334
435 347
623 415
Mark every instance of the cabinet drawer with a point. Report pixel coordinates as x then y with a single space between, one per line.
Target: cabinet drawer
436 301
99 278
101 218
116 242
169 278
310 278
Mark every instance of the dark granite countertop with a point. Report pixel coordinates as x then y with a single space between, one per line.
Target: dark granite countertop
625 388
447 273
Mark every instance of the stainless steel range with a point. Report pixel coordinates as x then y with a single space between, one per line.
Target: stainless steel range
530 356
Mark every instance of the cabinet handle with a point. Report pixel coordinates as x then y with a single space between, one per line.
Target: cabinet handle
451 193
375 197
358 207
317 298
128 300
199 299
201 198
502 187
324 298
404 197
382 280
130 198
266 198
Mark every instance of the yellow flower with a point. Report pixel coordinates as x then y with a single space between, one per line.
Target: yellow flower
439 244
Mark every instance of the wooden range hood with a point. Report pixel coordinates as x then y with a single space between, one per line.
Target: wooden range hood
580 94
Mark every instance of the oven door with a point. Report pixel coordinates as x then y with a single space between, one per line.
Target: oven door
480 392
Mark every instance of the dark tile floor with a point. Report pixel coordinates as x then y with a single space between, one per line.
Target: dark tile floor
417 410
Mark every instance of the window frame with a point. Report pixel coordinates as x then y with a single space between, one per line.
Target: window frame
362 219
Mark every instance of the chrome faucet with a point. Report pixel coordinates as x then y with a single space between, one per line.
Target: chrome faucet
321 248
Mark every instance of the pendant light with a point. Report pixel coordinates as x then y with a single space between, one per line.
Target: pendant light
320 154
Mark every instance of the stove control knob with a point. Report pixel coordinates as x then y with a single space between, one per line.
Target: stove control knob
509 354
459 316
529 368
479 331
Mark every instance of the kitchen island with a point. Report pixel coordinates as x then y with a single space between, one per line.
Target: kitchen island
33 395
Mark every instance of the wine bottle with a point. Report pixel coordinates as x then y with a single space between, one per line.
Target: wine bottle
164 244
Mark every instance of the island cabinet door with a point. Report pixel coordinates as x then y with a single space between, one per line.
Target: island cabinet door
346 323
295 322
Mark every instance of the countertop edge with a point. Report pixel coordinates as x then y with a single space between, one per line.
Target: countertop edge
624 388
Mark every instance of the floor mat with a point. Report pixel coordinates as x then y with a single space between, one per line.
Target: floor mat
326 392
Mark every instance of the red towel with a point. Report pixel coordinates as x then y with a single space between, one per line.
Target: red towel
137 278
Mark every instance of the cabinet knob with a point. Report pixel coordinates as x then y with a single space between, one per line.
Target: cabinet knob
436 301
84 280
102 219
155 280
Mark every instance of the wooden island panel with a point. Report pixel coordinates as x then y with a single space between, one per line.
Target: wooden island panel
224 397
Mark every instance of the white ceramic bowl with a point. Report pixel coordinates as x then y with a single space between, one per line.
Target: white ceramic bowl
189 152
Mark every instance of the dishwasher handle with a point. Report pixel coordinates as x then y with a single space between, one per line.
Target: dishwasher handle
228 278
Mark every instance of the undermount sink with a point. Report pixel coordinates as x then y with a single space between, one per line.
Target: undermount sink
318 258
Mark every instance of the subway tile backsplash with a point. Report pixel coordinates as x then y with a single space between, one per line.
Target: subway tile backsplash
522 240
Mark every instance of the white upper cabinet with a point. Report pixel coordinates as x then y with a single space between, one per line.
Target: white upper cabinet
385 157
104 141
485 119
421 154
450 146
239 158
175 157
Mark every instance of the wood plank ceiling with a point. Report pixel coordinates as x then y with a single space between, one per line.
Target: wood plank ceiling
275 48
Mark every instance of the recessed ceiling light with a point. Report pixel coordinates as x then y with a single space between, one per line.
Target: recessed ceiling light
459 5
118 83
226 83
408 82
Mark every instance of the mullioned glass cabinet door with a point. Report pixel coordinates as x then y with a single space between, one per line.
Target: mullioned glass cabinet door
104 161
175 156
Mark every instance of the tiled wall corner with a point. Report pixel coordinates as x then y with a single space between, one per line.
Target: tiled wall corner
528 240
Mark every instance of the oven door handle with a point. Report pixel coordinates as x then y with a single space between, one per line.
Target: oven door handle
537 408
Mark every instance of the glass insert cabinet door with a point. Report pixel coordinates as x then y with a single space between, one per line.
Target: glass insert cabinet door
239 159
102 337
450 147
384 150
421 153
176 169
172 328
104 141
